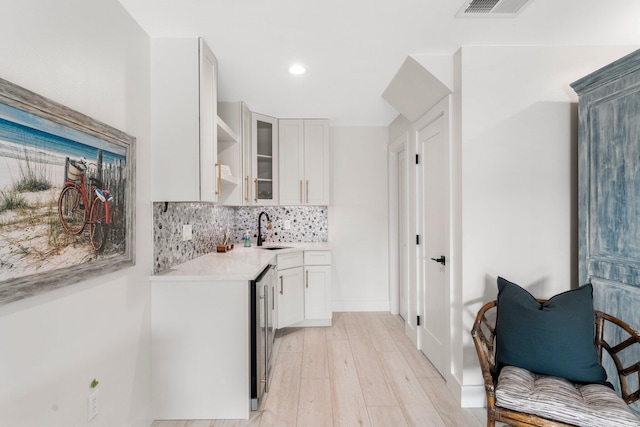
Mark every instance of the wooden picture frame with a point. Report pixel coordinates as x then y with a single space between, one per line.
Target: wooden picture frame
41 144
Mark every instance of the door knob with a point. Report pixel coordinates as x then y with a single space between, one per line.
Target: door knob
441 260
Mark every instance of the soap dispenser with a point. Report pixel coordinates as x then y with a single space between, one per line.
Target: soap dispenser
247 240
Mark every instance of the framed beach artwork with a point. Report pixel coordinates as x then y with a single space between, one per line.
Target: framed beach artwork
66 195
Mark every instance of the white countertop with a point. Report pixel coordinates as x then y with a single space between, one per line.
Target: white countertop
238 264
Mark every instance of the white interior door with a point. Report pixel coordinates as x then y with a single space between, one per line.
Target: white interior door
433 225
400 227
403 283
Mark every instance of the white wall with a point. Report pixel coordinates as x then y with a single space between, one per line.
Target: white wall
358 224
518 139
398 127
92 57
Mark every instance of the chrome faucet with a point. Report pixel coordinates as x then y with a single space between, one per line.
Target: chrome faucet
259 243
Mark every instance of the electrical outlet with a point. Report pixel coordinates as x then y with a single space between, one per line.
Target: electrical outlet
187 232
93 404
287 224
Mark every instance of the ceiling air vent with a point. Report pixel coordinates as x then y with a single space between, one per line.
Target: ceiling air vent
492 8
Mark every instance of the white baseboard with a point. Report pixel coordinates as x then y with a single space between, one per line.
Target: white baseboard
358 305
312 323
466 396
473 396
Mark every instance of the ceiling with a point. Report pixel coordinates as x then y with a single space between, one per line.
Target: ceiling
353 48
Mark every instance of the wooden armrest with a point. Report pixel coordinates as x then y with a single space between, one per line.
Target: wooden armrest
483 333
625 353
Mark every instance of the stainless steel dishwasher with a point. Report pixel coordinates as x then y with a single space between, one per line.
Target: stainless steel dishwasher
262 333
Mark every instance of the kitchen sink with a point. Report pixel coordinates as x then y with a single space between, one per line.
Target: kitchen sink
273 248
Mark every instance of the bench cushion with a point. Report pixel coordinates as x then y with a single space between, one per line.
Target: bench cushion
555 398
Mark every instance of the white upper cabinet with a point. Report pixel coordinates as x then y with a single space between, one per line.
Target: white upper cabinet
263 161
183 120
304 162
291 136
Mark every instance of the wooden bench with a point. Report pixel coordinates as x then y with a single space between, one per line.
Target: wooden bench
521 398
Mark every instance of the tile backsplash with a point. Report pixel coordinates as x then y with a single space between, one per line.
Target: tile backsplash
206 221
308 223
209 223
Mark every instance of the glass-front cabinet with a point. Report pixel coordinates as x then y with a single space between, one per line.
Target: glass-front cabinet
263 188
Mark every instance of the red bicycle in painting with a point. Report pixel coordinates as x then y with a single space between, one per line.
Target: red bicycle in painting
77 208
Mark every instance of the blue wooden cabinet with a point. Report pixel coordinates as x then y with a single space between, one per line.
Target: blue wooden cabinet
609 172
609 186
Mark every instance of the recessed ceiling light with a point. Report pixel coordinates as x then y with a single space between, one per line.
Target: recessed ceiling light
297 69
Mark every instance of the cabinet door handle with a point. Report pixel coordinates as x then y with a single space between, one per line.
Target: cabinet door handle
307 278
281 287
266 339
247 196
273 298
255 181
307 191
300 191
219 165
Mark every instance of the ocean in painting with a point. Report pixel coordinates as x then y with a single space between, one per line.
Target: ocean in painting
24 138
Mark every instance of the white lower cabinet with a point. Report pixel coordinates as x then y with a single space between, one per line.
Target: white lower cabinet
304 289
200 345
290 297
317 299
290 289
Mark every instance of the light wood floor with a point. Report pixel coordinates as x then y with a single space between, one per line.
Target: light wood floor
361 372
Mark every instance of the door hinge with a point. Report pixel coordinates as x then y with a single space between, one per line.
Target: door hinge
417 161
417 320
417 239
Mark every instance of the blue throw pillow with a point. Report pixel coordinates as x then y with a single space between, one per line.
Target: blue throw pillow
555 338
